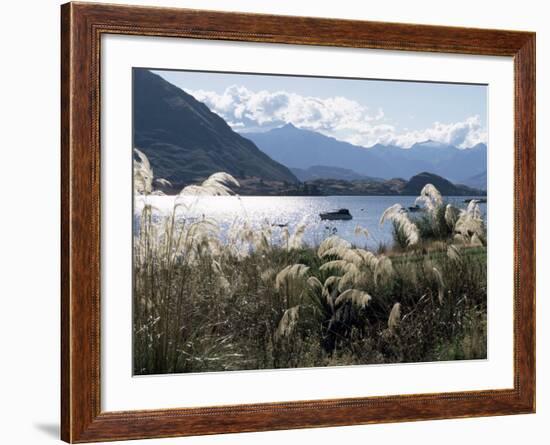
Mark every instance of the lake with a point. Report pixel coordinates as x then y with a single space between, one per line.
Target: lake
293 210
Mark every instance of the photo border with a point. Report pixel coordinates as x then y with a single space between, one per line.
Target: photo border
82 26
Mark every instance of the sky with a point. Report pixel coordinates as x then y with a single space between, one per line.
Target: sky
361 111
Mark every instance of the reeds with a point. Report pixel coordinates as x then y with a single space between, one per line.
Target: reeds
252 302
399 216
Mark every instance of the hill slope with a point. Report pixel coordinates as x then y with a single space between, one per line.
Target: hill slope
186 142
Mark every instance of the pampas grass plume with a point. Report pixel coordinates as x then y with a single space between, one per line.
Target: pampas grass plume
358 298
395 318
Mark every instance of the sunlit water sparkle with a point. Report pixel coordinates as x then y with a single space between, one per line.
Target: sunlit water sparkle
294 210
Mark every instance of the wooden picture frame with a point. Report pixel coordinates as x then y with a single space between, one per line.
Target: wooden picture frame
82 26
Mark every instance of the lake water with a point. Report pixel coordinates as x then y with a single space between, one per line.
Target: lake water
293 210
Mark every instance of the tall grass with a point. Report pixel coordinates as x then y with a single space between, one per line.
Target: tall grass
249 302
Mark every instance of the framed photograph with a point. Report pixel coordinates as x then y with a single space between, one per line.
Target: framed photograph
274 222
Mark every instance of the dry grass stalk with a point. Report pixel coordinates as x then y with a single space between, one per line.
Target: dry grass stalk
398 215
289 273
287 323
217 184
358 298
430 198
394 320
451 215
470 225
361 231
143 174
333 245
453 253
440 284
383 270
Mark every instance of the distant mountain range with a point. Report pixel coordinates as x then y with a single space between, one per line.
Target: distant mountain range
478 181
303 149
328 172
186 142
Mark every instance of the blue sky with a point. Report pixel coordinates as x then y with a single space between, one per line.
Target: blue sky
360 111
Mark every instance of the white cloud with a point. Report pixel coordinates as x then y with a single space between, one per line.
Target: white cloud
336 116
460 134
271 109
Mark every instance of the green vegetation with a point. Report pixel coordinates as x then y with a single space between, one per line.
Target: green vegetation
250 303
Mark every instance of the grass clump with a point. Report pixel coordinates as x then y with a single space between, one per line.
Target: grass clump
200 304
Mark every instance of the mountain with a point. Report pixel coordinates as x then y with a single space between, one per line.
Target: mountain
186 142
477 181
471 160
446 188
404 162
327 172
440 158
298 148
432 151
